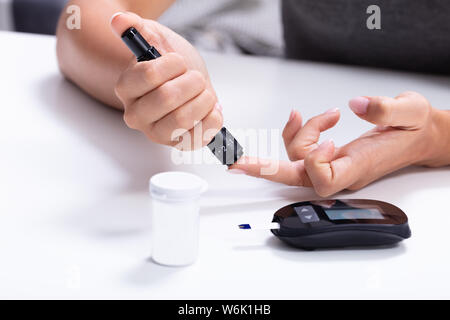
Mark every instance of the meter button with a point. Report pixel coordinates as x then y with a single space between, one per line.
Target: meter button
307 214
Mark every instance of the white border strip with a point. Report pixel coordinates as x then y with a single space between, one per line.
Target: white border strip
6 15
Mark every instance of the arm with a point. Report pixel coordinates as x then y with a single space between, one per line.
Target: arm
168 99
92 57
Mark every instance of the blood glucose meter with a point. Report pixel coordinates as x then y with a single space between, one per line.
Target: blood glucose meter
340 223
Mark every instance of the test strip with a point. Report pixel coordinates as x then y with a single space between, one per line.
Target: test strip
263 226
225 147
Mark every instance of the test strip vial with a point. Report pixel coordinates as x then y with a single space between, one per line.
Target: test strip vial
175 217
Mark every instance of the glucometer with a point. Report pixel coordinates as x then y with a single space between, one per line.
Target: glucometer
224 146
339 223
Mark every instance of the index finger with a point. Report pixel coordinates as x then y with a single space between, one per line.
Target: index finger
287 172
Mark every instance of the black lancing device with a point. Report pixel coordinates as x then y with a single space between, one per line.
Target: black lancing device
224 146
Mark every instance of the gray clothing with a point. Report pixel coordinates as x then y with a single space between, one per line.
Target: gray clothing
229 26
414 35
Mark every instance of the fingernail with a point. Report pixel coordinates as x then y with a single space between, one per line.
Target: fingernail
359 105
115 15
292 116
219 107
332 110
236 171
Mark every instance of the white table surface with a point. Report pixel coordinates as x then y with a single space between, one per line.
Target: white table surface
74 209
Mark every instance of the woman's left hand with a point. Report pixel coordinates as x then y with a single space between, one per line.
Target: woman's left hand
408 132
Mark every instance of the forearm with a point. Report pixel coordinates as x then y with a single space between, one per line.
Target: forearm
92 57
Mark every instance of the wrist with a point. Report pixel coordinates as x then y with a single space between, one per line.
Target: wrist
438 139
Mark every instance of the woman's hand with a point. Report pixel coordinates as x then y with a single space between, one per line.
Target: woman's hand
167 97
409 131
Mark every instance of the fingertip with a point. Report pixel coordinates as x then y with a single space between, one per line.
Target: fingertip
114 16
291 115
323 153
121 21
236 171
292 126
359 105
326 145
294 115
333 115
241 162
114 23
332 111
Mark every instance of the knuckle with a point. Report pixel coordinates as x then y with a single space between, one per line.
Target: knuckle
421 105
178 60
298 153
324 187
208 99
197 78
412 94
309 159
150 134
313 123
182 119
151 74
383 111
422 102
119 89
216 119
167 94
324 190
130 118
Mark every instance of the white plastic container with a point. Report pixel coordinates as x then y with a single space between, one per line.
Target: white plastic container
175 217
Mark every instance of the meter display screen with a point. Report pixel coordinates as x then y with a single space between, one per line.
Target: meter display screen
350 214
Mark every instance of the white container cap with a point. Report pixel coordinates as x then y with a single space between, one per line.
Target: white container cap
177 186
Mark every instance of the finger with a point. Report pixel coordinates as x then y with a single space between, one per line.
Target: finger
122 21
286 172
144 77
151 31
306 138
409 110
292 126
327 175
186 116
163 100
201 134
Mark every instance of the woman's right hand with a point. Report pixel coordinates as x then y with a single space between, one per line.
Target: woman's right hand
167 97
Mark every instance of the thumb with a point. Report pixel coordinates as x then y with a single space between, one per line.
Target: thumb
120 22
162 38
151 31
408 110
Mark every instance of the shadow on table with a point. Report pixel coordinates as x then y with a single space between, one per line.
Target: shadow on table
104 128
149 272
287 252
